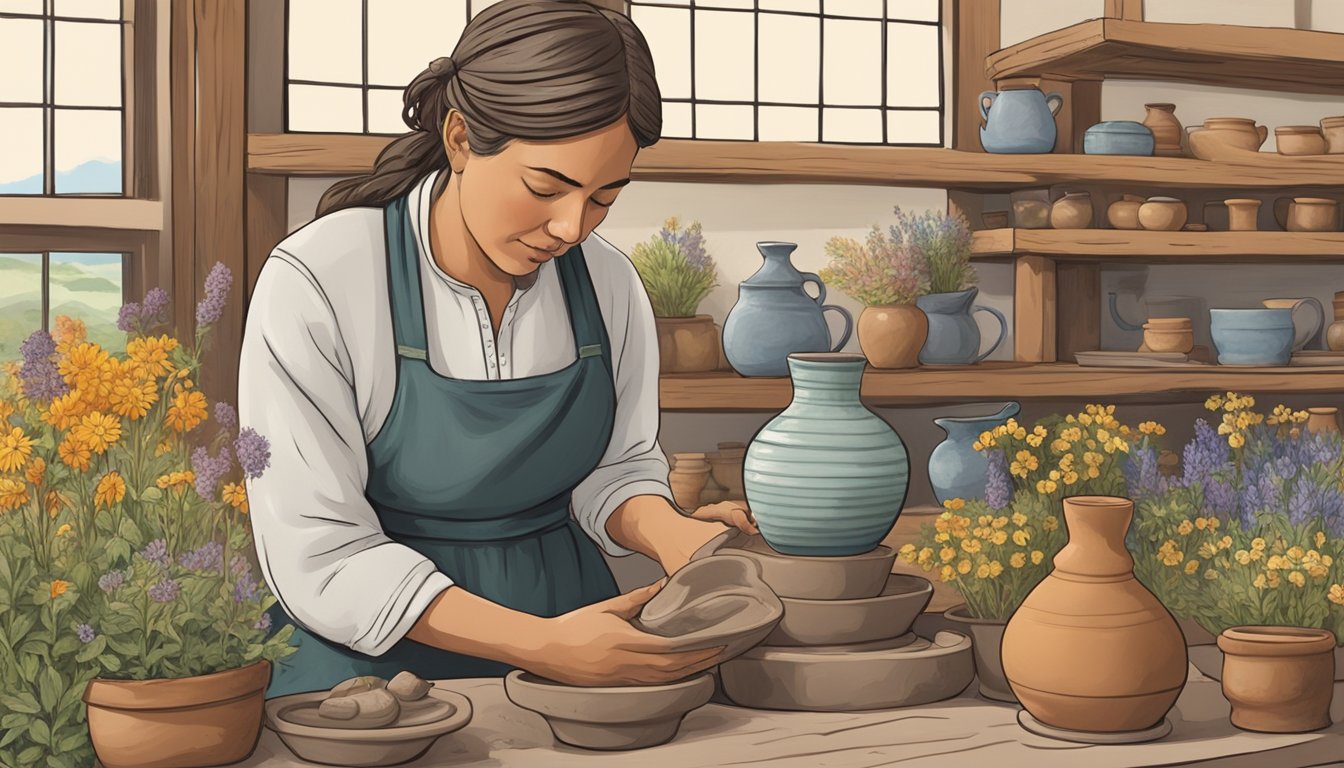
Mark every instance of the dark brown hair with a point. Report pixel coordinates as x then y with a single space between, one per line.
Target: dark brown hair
539 70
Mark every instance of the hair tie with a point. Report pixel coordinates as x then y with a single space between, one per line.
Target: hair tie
443 67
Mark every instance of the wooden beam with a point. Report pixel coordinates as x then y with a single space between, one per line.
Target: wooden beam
1124 9
1163 247
104 212
183 89
1078 300
975 35
267 203
267 223
1034 310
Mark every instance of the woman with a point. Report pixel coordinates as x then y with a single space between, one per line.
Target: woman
460 381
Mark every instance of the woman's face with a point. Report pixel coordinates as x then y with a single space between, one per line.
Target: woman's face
534 200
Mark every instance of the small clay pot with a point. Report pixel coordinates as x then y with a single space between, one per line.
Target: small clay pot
1124 213
1334 336
1223 138
727 472
1278 679
690 473
1320 420
995 219
687 344
1072 211
1333 130
1158 339
1166 214
1306 214
1299 140
891 335
1031 214
1166 129
987 635
1242 213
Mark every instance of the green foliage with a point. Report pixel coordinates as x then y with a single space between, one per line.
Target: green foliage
676 270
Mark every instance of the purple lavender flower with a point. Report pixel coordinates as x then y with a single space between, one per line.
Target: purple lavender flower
85 633
226 415
1207 453
217 283
1142 474
691 243
263 623
111 581
1313 501
1221 499
246 589
156 552
253 451
998 483
128 317
154 306
210 470
39 375
207 558
239 565
165 591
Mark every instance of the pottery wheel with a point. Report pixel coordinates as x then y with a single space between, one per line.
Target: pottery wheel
1029 723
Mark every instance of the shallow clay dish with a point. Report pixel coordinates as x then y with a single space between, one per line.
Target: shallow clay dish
818 578
846 622
312 738
902 672
714 601
609 718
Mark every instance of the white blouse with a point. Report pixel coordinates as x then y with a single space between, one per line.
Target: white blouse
316 379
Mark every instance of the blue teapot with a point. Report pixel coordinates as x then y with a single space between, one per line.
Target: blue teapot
1019 120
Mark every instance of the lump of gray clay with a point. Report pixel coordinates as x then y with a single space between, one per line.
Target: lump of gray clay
716 601
408 687
365 709
356 685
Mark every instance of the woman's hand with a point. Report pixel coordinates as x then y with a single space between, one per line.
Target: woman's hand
597 645
731 513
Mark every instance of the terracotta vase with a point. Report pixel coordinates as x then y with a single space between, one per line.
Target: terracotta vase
891 335
690 473
687 344
1090 649
1278 679
1072 211
1321 420
1161 120
187 722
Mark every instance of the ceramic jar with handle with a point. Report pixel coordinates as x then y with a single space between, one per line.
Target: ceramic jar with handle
774 316
1221 138
954 336
956 469
1308 320
1019 120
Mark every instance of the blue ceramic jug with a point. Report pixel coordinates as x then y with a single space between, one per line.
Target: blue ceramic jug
956 469
1019 120
774 316
827 476
954 337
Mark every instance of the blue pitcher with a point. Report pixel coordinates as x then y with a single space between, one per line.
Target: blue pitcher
956 469
1019 120
954 337
774 317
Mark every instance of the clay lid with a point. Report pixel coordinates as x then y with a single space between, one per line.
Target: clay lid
1242 201
1168 322
1291 129
1276 641
1324 411
1331 122
1229 121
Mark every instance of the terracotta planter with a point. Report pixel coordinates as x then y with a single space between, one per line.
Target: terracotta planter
1278 679
987 643
687 344
186 722
1323 420
1166 128
1090 649
891 335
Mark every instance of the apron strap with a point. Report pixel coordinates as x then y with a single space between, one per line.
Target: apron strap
585 315
403 282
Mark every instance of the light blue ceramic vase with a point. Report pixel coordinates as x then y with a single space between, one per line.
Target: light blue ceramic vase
1019 120
827 476
956 469
954 336
1253 336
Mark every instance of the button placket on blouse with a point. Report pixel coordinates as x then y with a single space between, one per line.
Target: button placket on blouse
487 340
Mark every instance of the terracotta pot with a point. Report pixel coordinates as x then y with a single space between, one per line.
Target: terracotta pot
1166 214
1158 339
1242 213
891 335
1299 140
1333 130
1278 679
689 474
987 637
1334 336
1222 138
185 722
1161 120
687 344
1090 649
1031 214
1124 213
1322 420
727 472
1072 211
1306 214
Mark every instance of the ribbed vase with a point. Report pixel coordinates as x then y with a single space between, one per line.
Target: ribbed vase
827 476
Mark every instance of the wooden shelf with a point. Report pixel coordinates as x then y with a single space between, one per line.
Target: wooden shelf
1165 247
726 391
746 162
1289 60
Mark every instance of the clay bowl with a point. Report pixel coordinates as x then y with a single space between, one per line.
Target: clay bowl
1299 140
1166 214
312 738
1168 339
900 672
711 602
819 578
848 622
609 718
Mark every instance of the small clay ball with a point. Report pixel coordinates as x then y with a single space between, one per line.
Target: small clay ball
408 687
373 709
357 685
339 708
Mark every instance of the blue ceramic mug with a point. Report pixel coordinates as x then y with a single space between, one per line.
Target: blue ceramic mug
1253 336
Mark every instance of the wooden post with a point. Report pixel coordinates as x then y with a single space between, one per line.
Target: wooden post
267 203
1124 9
1078 304
975 35
1034 309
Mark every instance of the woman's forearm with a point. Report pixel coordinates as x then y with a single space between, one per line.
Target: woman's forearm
464 623
651 526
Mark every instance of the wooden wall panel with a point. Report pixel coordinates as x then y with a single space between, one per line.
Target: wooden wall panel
975 36
1034 307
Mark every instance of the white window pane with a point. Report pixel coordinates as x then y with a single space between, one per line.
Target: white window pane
801 6
385 111
723 121
725 55
746 4
89 9
677 120
913 127
88 151
405 35
326 41
682 3
21 6
325 108
21 151
21 60
851 125
868 8
912 65
913 10
790 58
788 124
89 287
20 300
668 32
853 62
480 5
88 64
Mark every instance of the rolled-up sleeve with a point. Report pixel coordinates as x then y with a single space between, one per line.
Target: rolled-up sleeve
322 550
633 464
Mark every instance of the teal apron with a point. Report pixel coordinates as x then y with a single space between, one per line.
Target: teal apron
477 476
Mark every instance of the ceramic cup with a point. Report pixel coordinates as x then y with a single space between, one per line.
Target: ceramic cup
1308 318
1307 214
1260 337
1242 213
1299 140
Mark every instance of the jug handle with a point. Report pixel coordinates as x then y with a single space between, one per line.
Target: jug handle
986 101
1263 132
1121 322
1003 329
811 277
1054 101
1314 341
849 324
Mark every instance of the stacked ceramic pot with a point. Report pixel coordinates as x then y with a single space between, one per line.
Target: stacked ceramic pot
825 481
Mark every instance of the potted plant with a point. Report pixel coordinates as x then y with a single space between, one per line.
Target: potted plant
995 550
887 273
954 336
133 623
678 273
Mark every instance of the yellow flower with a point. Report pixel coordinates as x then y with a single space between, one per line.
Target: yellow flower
98 430
58 588
1336 595
999 537
970 545
1020 538
1201 523
1152 428
999 521
13 493
1236 440
1272 578
65 410
1320 538
1046 486
1208 549
111 490
1103 436
1243 557
942 537
1297 579
6 410
947 573
1034 440
1258 543
133 399
1018 559
1296 553
187 410
964 567
908 553
1072 434
1070 477
64 529
1191 567
1225 542
176 480
1185 528
1037 556
983 571
1169 554
68 331
1050 523
165 445
995 568
1214 403
1093 459
955 504
1025 463
87 367
1060 445
149 355
75 452
36 471
15 448
1259 582
1019 519
946 554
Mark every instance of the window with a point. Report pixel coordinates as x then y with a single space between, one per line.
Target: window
87 286
836 71
61 99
